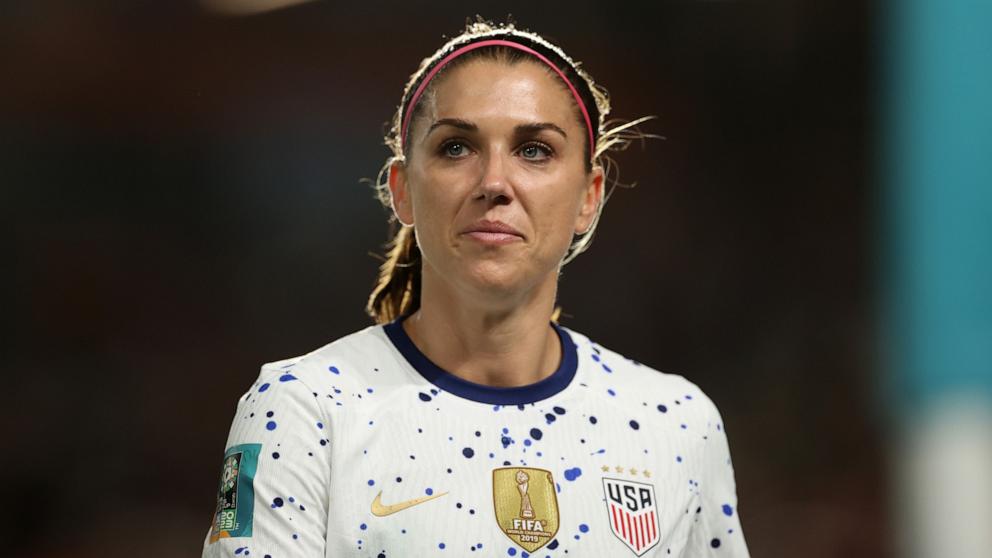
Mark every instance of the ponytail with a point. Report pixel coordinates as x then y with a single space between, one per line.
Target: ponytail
397 292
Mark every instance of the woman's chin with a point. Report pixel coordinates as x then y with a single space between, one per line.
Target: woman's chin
496 277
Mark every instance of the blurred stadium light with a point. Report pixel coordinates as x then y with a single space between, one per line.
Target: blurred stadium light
247 7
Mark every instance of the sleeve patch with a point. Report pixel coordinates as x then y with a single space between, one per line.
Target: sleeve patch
236 494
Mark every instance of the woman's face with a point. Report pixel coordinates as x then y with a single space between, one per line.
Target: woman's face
496 143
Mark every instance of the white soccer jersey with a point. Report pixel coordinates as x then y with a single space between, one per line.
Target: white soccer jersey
365 447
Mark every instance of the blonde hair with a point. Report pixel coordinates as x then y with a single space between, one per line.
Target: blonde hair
397 290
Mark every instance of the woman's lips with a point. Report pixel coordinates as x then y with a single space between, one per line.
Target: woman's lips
492 238
493 233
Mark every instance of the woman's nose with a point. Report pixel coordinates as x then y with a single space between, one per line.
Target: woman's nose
495 182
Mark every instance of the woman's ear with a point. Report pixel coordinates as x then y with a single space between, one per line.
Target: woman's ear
400 197
591 198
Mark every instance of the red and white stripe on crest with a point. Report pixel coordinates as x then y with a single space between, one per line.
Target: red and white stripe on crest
639 531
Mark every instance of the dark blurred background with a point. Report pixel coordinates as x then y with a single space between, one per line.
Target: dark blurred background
180 201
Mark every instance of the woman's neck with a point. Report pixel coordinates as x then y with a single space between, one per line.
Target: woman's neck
505 343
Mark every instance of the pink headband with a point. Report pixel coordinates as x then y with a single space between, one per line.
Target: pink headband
480 44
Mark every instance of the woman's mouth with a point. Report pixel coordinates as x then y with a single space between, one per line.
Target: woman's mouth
492 238
493 233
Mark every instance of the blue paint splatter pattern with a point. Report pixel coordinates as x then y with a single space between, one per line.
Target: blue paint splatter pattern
402 461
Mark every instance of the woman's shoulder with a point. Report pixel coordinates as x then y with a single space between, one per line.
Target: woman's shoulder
627 381
343 360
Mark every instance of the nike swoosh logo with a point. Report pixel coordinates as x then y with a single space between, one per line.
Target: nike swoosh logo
382 510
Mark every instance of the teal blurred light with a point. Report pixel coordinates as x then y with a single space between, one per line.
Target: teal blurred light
937 166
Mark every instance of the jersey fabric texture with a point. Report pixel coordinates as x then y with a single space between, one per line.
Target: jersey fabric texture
365 447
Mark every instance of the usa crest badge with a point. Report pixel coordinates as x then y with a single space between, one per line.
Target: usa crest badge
526 505
633 513
236 493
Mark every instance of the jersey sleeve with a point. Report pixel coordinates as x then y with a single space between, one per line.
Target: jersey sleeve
718 531
272 494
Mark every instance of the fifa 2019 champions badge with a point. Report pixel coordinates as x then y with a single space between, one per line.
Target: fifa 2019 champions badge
526 505
236 493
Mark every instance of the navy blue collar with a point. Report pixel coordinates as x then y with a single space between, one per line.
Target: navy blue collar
447 381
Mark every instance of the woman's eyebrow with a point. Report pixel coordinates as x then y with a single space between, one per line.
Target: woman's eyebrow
455 122
519 129
523 129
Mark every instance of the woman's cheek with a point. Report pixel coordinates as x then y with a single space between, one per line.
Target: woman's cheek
428 200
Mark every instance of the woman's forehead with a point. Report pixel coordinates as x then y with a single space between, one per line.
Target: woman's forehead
487 90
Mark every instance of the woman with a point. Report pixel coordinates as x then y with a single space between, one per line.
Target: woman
467 420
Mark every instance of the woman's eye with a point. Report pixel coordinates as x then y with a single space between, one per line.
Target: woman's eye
455 149
535 151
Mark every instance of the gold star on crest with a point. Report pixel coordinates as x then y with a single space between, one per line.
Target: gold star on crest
632 471
605 468
619 469
647 473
